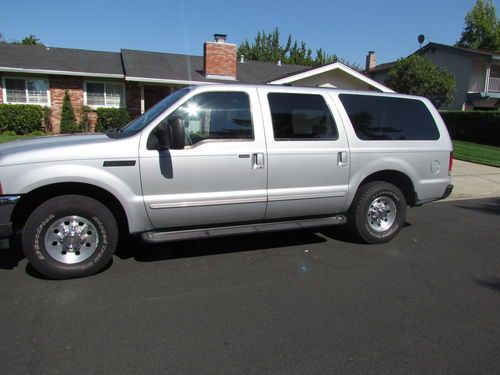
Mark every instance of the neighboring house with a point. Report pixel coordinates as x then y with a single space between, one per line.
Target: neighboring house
477 74
136 80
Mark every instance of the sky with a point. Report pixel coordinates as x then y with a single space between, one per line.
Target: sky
348 29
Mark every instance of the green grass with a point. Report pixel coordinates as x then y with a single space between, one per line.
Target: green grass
8 138
476 153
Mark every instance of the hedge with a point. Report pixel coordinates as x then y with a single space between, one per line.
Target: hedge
108 118
473 126
21 118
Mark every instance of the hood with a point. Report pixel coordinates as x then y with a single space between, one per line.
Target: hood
68 147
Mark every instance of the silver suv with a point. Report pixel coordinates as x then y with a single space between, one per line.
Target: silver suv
221 160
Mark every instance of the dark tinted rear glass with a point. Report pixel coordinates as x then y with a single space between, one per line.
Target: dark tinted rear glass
385 118
301 117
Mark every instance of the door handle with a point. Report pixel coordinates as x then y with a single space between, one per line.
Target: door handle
258 161
342 159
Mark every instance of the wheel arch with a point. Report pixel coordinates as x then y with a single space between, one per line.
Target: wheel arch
34 198
399 179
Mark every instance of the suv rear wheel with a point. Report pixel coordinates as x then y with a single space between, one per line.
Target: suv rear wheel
378 212
70 236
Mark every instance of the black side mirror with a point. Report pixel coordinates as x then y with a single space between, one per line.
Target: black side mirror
168 136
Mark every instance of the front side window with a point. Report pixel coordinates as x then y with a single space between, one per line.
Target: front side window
216 115
26 91
389 119
104 95
301 117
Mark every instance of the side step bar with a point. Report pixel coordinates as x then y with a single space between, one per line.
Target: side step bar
190 234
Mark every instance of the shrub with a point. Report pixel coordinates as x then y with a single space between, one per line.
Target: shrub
68 121
473 126
20 118
108 118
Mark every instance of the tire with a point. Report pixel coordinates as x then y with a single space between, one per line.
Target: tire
378 212
70 236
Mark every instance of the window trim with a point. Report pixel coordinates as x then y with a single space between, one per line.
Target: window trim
93 106
303 139
214 140
4 90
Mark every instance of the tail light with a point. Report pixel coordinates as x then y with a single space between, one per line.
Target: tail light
450 165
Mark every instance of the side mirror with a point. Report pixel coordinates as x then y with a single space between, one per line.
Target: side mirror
168 136
177 133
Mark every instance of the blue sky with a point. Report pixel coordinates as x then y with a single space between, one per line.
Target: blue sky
346 28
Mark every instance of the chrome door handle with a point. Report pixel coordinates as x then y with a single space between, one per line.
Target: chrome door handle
258 161
342 159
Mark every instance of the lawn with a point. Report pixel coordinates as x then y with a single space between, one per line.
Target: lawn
7 138
476 153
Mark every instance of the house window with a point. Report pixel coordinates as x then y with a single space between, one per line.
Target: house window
26 91
104 94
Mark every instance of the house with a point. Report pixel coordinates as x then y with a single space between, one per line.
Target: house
136 80
477 74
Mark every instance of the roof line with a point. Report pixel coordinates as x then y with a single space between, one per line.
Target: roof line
60 72
163 80
333 66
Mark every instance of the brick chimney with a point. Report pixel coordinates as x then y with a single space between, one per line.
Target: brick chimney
371 61
219 58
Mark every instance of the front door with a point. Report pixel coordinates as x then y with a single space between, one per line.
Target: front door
221 174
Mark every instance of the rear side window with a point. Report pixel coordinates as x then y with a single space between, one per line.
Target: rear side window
301 117
385 118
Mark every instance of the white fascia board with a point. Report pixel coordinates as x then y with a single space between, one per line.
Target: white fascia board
167 81
60 72
328 68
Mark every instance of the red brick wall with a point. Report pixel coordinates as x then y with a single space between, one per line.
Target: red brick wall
58 85
219 59
133 98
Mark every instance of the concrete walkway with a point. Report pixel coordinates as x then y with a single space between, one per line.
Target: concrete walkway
474 181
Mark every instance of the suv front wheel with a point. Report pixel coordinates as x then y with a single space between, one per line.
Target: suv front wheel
70 236
378 212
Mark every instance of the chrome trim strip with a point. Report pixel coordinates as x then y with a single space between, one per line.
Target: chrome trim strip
6 200
185 204
279 198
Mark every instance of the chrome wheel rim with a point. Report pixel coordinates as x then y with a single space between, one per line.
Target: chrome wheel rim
381 213
71 239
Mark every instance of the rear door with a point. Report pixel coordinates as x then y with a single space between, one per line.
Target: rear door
221 174
308 153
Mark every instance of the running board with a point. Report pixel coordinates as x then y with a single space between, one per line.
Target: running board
191 234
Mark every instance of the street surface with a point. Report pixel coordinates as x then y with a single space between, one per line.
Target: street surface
282 303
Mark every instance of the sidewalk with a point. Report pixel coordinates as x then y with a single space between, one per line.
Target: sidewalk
474 181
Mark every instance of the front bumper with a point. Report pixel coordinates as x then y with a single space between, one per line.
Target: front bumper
7 204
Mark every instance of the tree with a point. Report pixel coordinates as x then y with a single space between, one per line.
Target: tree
31 40
482 27
417 75
68 121
267 47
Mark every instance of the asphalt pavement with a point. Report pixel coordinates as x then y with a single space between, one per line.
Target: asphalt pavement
282 303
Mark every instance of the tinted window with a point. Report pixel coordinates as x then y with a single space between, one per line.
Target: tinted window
216 115
301 116
385 118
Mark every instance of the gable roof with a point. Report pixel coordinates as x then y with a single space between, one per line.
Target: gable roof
328 68
459 50
431 45
49 60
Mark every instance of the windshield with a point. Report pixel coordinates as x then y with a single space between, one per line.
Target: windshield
142 121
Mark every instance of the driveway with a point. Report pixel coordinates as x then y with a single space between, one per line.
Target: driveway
474 181
283 303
